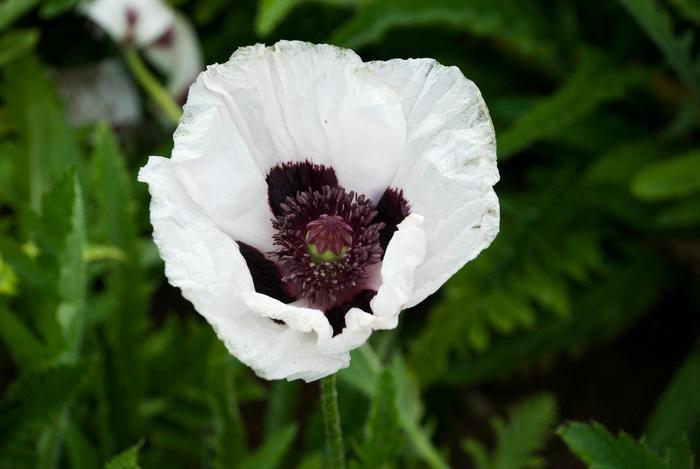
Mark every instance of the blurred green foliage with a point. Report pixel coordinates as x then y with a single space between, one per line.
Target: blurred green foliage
597 112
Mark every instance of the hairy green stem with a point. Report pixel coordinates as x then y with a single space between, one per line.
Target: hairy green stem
151 85
331 422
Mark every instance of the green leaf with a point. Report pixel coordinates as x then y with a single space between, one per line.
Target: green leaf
271 454
679 455
408 403
127 459
8 279
115 195
11 10
17 42
520 438
608 306
517 23
600 450
73 276
383 440
282 403
228 441
52 8
676 177
272 12
688 8
681 214
26 349
594 83
62 234
33 402
678 410
411 410
544 250
657 23
126 293
82 453
48 147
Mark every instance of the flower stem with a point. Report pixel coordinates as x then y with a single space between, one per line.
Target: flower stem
331 422
151 85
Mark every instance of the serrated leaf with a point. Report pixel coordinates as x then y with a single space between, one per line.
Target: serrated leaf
681 214
526 272
408 403
594 83
52 8
228 441
517 23
411 410
26 349
8 279
62 234
115 194
282 401
11 10
658 25
679 455
73 276
676 177
34 401
48 147
82 453
600 450
609 306
688 8
17 42
383 439
126 292
678 409
271 454
272 12
520 438
127 459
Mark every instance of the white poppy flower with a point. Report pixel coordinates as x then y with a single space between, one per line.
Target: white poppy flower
178 56
167 38
310 197
139 21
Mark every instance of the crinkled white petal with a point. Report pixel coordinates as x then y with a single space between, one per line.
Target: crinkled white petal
205 263
449 168
358 324
153 18
180 60
410 124
219 172
405 253
296 101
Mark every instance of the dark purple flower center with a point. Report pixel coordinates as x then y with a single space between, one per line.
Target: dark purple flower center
326 241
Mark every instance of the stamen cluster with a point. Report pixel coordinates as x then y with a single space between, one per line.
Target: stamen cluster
328 280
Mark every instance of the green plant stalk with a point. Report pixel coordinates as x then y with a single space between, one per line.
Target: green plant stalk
331 423
151 85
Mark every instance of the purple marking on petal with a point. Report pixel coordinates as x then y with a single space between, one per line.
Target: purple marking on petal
392 209
267 278
336 315
132 17
166 40
289 179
